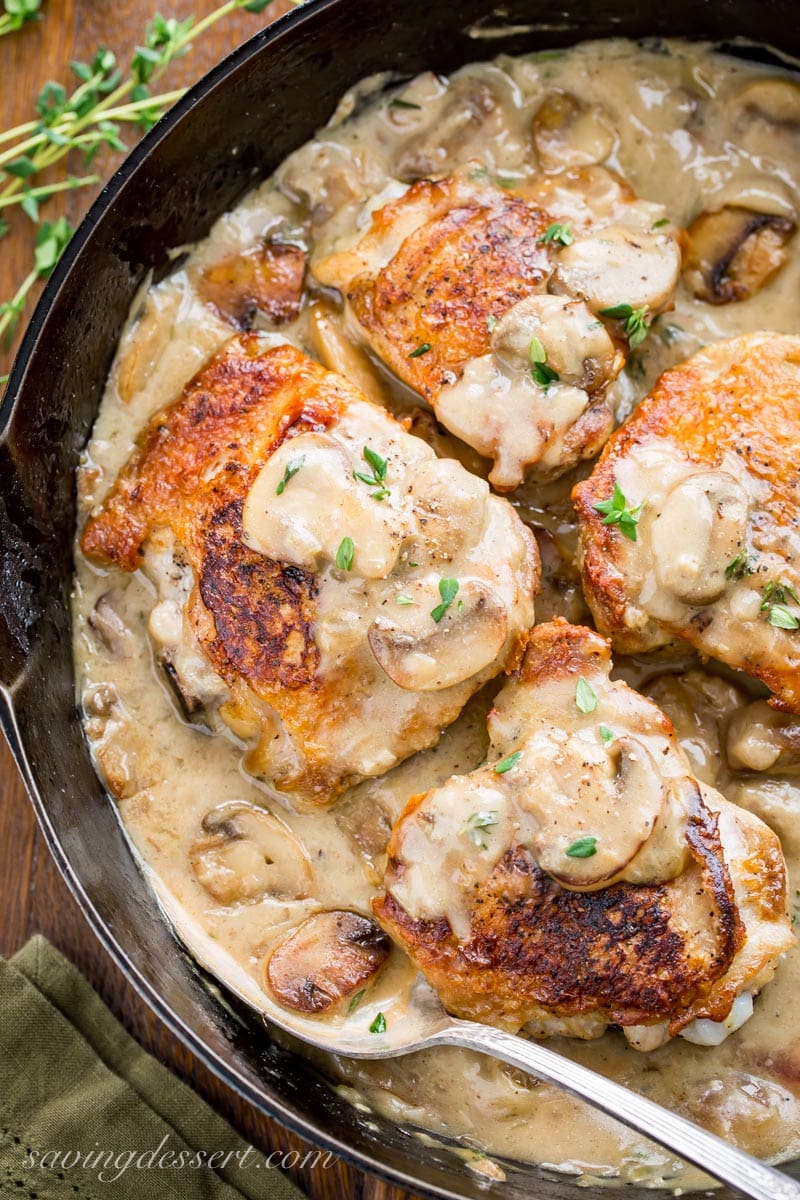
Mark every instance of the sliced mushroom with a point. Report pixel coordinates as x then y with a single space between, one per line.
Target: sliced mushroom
733 252
423 655
108 626
327 958
338 353
305 500
771 99
266 279
246 854
700 529
616 801
449 506
761 739
145 344
568 132
617 265
462 117
576 344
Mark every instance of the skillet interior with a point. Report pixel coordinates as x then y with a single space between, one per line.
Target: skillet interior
239 123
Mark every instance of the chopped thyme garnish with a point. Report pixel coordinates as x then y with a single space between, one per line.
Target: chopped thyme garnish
781 592
379 1024
396 102
421 349
557 232
477 822
583 847
402 598
292 467
781 618
508 763
356 1000
617 512
660 224
740 566
448 590
635 321
606 734
542 374
345 554
585 696
378 477
776 597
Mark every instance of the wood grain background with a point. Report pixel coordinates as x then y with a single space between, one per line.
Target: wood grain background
33 897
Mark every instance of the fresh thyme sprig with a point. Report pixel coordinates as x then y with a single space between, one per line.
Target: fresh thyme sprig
87 118
16 13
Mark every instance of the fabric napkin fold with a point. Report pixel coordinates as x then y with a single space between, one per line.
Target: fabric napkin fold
86 1113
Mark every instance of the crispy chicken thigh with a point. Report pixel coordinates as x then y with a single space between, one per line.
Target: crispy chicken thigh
582 877
327 587
493 305
708 466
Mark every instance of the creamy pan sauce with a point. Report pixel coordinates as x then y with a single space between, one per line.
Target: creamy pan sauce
688 129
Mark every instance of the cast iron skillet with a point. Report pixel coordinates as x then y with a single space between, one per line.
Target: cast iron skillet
233 128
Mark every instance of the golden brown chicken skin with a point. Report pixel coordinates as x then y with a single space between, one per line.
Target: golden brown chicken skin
482 893
492 308
707 464
278 551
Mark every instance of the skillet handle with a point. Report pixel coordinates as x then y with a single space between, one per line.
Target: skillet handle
688 1141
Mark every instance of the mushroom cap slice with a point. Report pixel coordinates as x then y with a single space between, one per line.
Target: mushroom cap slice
700 529
568 132
621 802
325 960
617 265
734 251
423 655
246 854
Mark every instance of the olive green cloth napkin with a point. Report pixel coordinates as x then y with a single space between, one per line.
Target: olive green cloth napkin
73 1084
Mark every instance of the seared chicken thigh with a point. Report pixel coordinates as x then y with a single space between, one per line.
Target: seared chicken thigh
700 541
491 304
327 586
582 876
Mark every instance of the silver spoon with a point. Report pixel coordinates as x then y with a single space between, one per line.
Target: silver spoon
425 1024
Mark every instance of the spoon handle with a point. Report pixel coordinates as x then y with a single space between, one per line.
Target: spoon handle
714 1156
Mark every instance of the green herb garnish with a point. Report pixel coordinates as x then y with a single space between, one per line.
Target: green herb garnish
781 592
584 847
17 13
345 554
660 224
479 821
402 598
448 590
606 734
635 326
84 118
379 1024
781 618
396 102
740 566
617 512
421 349
491 322
378 477
356 1000
557 232
292 467
542 374
506 764
585 696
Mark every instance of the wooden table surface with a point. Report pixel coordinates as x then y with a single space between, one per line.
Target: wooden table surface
33 897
